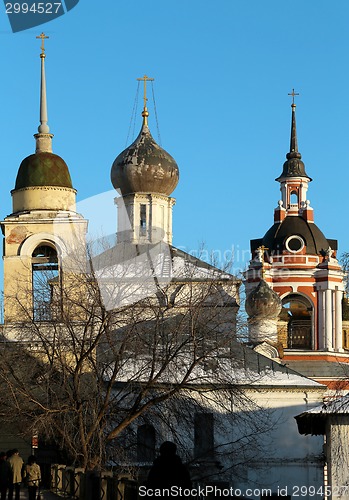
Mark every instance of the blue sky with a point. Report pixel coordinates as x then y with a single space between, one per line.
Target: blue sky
222 72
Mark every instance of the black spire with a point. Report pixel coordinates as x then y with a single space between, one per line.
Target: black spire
293 166
293 142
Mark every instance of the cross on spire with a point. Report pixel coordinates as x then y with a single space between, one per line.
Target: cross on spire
145 79
293 94
43 38
43 127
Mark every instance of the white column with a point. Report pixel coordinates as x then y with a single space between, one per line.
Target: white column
321 319
284 194
338 320
328 319
303 191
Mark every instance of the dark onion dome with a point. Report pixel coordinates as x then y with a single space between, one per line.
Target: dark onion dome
279 237
144 167
263 302
43 169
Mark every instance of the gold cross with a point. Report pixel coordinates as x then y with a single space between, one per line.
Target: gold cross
293 94
43 37
145 79
262 249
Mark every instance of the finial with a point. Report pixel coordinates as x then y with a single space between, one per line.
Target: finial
43 138
43 38
293 94
293 142
145 112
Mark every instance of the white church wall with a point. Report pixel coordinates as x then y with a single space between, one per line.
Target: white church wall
285 459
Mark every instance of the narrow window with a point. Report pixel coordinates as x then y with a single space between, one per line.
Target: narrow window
143 220
145 443
203 435
162 217
46 289
294 198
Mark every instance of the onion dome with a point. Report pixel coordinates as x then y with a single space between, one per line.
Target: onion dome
263 302
43 169
293 166
144 167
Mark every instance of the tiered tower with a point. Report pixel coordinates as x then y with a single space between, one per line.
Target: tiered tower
43 228
300 265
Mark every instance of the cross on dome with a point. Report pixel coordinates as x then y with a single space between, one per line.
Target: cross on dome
145 112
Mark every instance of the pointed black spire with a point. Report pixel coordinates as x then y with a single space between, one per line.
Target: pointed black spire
293 166
293 142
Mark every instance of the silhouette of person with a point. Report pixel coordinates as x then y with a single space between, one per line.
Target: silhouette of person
32 474
16 463
5 475
168 469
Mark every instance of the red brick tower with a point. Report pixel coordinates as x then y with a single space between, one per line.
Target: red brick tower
300 265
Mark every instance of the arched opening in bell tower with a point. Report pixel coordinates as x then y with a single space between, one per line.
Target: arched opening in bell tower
46 289
293 198
296 322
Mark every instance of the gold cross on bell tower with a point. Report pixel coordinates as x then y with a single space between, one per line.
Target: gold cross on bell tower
145 112
260 256
293 94
43 38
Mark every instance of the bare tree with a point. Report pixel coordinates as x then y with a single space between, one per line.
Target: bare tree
344 261
111 350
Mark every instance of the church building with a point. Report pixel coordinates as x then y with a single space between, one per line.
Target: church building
294 288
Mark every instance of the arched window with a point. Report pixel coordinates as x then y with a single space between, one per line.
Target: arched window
145 443
46 289
297 312
143 220
294 198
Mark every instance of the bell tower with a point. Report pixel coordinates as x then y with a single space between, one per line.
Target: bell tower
43 228
299 264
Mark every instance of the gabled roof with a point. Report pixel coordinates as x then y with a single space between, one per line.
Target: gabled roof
160 260
261 371
128 272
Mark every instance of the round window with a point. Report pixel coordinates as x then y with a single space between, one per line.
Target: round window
294 244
